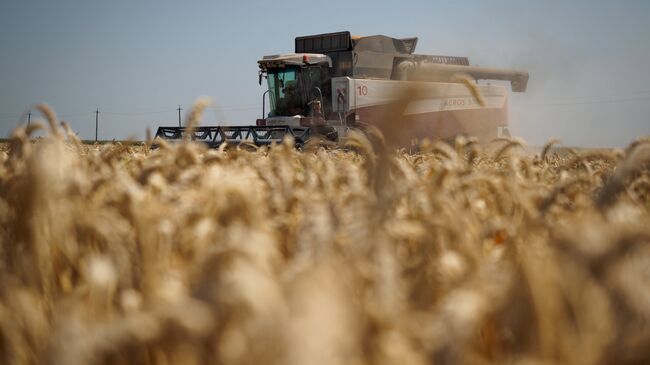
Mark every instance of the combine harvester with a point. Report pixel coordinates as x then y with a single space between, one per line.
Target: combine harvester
334 82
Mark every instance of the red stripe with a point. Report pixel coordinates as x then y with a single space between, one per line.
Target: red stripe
440 124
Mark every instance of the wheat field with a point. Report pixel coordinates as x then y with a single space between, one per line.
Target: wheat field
362 254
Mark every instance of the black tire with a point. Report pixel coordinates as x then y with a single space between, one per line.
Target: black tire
326 132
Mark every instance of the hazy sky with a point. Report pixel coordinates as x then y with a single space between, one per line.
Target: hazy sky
137 60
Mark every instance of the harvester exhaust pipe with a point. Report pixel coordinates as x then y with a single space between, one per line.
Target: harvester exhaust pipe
420 71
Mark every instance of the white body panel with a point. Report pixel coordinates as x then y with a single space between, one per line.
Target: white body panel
433 109
351 94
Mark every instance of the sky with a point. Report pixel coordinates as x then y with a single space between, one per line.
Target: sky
137 61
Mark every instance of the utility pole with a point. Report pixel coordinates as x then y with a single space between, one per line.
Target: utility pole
29 118
179 115
96 123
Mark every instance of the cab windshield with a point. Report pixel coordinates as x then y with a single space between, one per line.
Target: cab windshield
285 91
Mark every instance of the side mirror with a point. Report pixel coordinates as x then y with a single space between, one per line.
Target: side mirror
259 81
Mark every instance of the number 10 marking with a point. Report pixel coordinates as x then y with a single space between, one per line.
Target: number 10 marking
363 90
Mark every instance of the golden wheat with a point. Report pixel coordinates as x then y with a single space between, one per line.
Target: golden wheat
453 255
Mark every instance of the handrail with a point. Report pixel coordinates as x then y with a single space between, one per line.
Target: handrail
264 104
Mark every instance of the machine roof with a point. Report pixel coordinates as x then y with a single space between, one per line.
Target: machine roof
294 59
344 41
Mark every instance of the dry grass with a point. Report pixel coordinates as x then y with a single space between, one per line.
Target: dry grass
456 254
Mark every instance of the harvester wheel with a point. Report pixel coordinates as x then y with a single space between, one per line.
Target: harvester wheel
326 132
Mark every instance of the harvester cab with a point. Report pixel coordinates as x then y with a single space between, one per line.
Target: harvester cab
295 83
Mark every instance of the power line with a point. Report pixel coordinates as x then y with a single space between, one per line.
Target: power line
75 115
634 94
243 107
589 102
8 116
5 115
139 113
